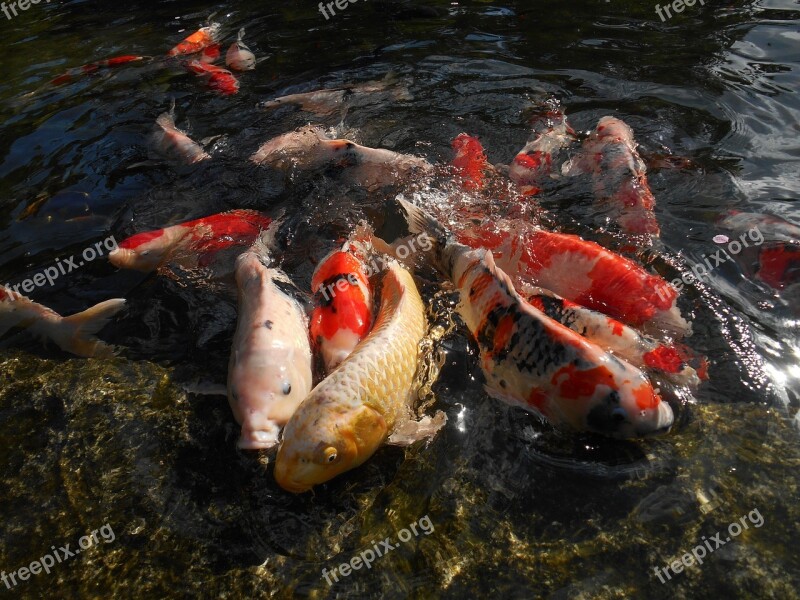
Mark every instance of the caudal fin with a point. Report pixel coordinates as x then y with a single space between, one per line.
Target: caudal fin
76 334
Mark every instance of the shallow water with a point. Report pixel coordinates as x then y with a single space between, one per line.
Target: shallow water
516 508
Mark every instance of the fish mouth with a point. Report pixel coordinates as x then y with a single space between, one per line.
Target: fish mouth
257 440
665 418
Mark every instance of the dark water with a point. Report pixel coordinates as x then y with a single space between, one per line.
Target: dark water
517 510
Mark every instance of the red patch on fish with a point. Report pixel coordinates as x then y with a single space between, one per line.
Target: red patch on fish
217 78
779 265
664 358
194 43
646 397
577 383
470 162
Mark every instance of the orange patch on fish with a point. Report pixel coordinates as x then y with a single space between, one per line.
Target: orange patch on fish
576 383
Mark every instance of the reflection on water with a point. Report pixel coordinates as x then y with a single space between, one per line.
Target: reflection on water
518 508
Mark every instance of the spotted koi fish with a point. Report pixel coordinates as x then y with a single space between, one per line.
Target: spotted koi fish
641 351
203 37
96 66
351 413
74 334
270 372
191 244
619 175
343 313
583 272
216 78
534 163
532 361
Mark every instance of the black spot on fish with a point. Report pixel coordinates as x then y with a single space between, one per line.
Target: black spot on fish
503 383
268 324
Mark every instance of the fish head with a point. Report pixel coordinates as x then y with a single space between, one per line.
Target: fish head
142 252
318 447
624 415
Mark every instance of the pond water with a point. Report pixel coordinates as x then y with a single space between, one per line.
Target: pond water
503 504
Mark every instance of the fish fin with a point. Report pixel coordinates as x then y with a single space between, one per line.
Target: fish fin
240 35
167 119
265 242
501 275
75 334
413 431
420 222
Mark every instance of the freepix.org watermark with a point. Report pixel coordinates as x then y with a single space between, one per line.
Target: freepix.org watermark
677 6
340 4
403 251
11 7
703 269
62 267
57 556
708 546
382 548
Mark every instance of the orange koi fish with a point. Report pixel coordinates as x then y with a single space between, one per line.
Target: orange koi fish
191 244
218 79
203 37
532 361
343 313
95 66
470 162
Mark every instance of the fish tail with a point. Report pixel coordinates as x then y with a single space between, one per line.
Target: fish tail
439 238
76 334
167 120
240 36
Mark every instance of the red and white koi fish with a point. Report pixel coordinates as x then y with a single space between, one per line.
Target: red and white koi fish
327 101
352 412
771 244
270 372
532 361
216 78
191 244
639 350
174 144
470 162
534 163
95 66
202 38
239 57
619 175
308 149
211 53
343 313
74 334
583 272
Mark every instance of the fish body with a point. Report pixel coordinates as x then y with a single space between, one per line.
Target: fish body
641 351
239 57
175 144
470 162
270 372
343 312
96 66
216 78
351 413
308 149
74 334
534 163
202 38
210 54
583 272
619 175
191 244
532 361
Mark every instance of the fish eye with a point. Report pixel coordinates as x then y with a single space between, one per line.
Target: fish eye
145 252
331 455
287 388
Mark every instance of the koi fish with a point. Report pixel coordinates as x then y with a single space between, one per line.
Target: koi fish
534 362
619 175
239 57
639 350
343 312
191 244
95 66
211 53
331 100
308 149
534 163
470 162
218 79
74 334
269 373
583 272
771 244
203 37
174 144
351 413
